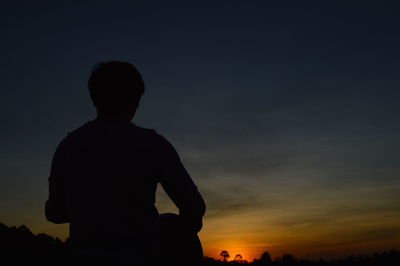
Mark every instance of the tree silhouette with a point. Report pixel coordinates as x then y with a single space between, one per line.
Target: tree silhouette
238 258
225 255
266 258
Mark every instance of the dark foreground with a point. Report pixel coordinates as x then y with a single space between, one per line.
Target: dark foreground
18 246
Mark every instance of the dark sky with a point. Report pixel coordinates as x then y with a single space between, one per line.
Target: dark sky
285 113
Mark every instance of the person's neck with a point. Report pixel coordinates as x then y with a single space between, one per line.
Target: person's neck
113 118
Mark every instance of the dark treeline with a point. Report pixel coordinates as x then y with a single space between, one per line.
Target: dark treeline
385 258
19 246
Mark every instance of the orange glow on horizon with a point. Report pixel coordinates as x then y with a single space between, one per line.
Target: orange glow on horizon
326 224
233 250
252 247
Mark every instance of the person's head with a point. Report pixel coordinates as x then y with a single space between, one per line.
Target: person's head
115 87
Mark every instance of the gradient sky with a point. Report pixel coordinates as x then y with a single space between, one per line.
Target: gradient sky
285 113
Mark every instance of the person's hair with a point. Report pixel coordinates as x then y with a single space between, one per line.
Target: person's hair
115 86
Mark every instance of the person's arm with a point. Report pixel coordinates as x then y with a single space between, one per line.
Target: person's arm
180 187
56 207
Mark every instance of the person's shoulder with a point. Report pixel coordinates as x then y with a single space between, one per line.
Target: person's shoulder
71 136
143 130
157 138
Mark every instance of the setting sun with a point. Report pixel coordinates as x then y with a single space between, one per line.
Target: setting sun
233 249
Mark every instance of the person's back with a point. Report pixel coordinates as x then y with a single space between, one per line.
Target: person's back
105 173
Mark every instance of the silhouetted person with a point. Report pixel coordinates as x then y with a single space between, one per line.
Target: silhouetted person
103 180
